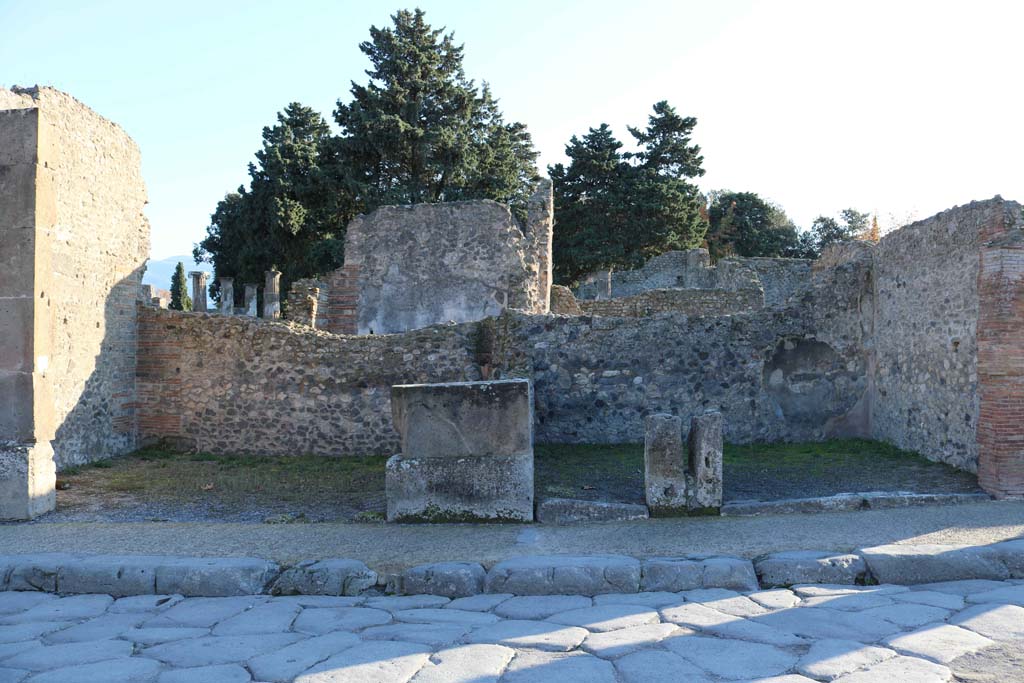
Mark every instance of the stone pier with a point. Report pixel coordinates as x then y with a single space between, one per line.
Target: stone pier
678 482
251 300
272 295
198 291
467 452
227 296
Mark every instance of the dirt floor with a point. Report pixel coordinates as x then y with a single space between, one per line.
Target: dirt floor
160 485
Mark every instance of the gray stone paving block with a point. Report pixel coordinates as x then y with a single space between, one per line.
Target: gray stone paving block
565 575
374 662
829 658
325 577
323 620
437 635
145 603
450 579
650 666
445 616
68 654
466 664
962 588
909 615
933 598
675 574
116 575
785 678
203 612
394 603
940 643
155 636
731 658
653 599
915 564
36 572
11 649
1011 595
269 617
812 590
485 602
607 617
814 622
218 576
540 606
18 632
726 601
902 669
221 673
809 566
726 625
535 635
121 670
850 602
545 667
320 600
285 664
63 609
612 644
12 602
13 675
775 599
99 628
998 622
573 511
211 650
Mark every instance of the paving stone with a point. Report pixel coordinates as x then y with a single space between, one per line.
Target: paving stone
11 649
909 615
775 599
1011 595
942 643
36 572
21 632
62 609
613 644
12 602
712 621
320 600
851 602
1011 553
394 603
325 577
545 667
155 636
809 566
565 575
540 606
13 675
269 617
437 635
484 602
726 601
573 511
901 669
815 622
656 666
606 617
373 662
998 622
221 673
445 616
537 635
203 612
731 658
786 678
675 574
450 579
218 649
829 658
998 664
285 664
215 576
116 575
68 654
811 590
100 628
962 588
933 598
466 664
916 564
145 603
120 670
318 621
653 599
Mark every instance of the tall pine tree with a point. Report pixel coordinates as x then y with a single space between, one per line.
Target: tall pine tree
180 300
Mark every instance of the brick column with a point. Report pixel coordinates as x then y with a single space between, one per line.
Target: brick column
198 291
343 300
1001 354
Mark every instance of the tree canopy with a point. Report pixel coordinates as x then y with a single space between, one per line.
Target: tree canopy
744 224
616 209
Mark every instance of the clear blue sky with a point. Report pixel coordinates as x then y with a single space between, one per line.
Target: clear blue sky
903 108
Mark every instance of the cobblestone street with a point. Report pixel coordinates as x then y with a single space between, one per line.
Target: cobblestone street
847 634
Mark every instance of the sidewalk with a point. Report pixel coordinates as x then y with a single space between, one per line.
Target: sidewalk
390 548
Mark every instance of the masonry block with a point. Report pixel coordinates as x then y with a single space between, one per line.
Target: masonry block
678 482
27 480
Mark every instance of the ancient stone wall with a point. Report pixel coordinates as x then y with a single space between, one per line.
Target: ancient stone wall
296 308
781 278
689 269
688 301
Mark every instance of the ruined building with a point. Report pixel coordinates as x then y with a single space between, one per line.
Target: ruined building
917 341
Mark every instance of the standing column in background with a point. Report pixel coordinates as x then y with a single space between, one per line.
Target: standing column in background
198 291
227 296
272 295
250 300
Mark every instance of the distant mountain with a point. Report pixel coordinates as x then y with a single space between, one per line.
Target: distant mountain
159 272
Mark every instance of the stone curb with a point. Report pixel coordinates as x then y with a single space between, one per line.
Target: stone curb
844 502
123 575
572 511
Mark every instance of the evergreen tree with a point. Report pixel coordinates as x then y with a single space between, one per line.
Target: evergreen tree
874 233
615 209
744 224
180 300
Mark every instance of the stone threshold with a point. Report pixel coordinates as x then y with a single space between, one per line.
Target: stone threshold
846 502
589 575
